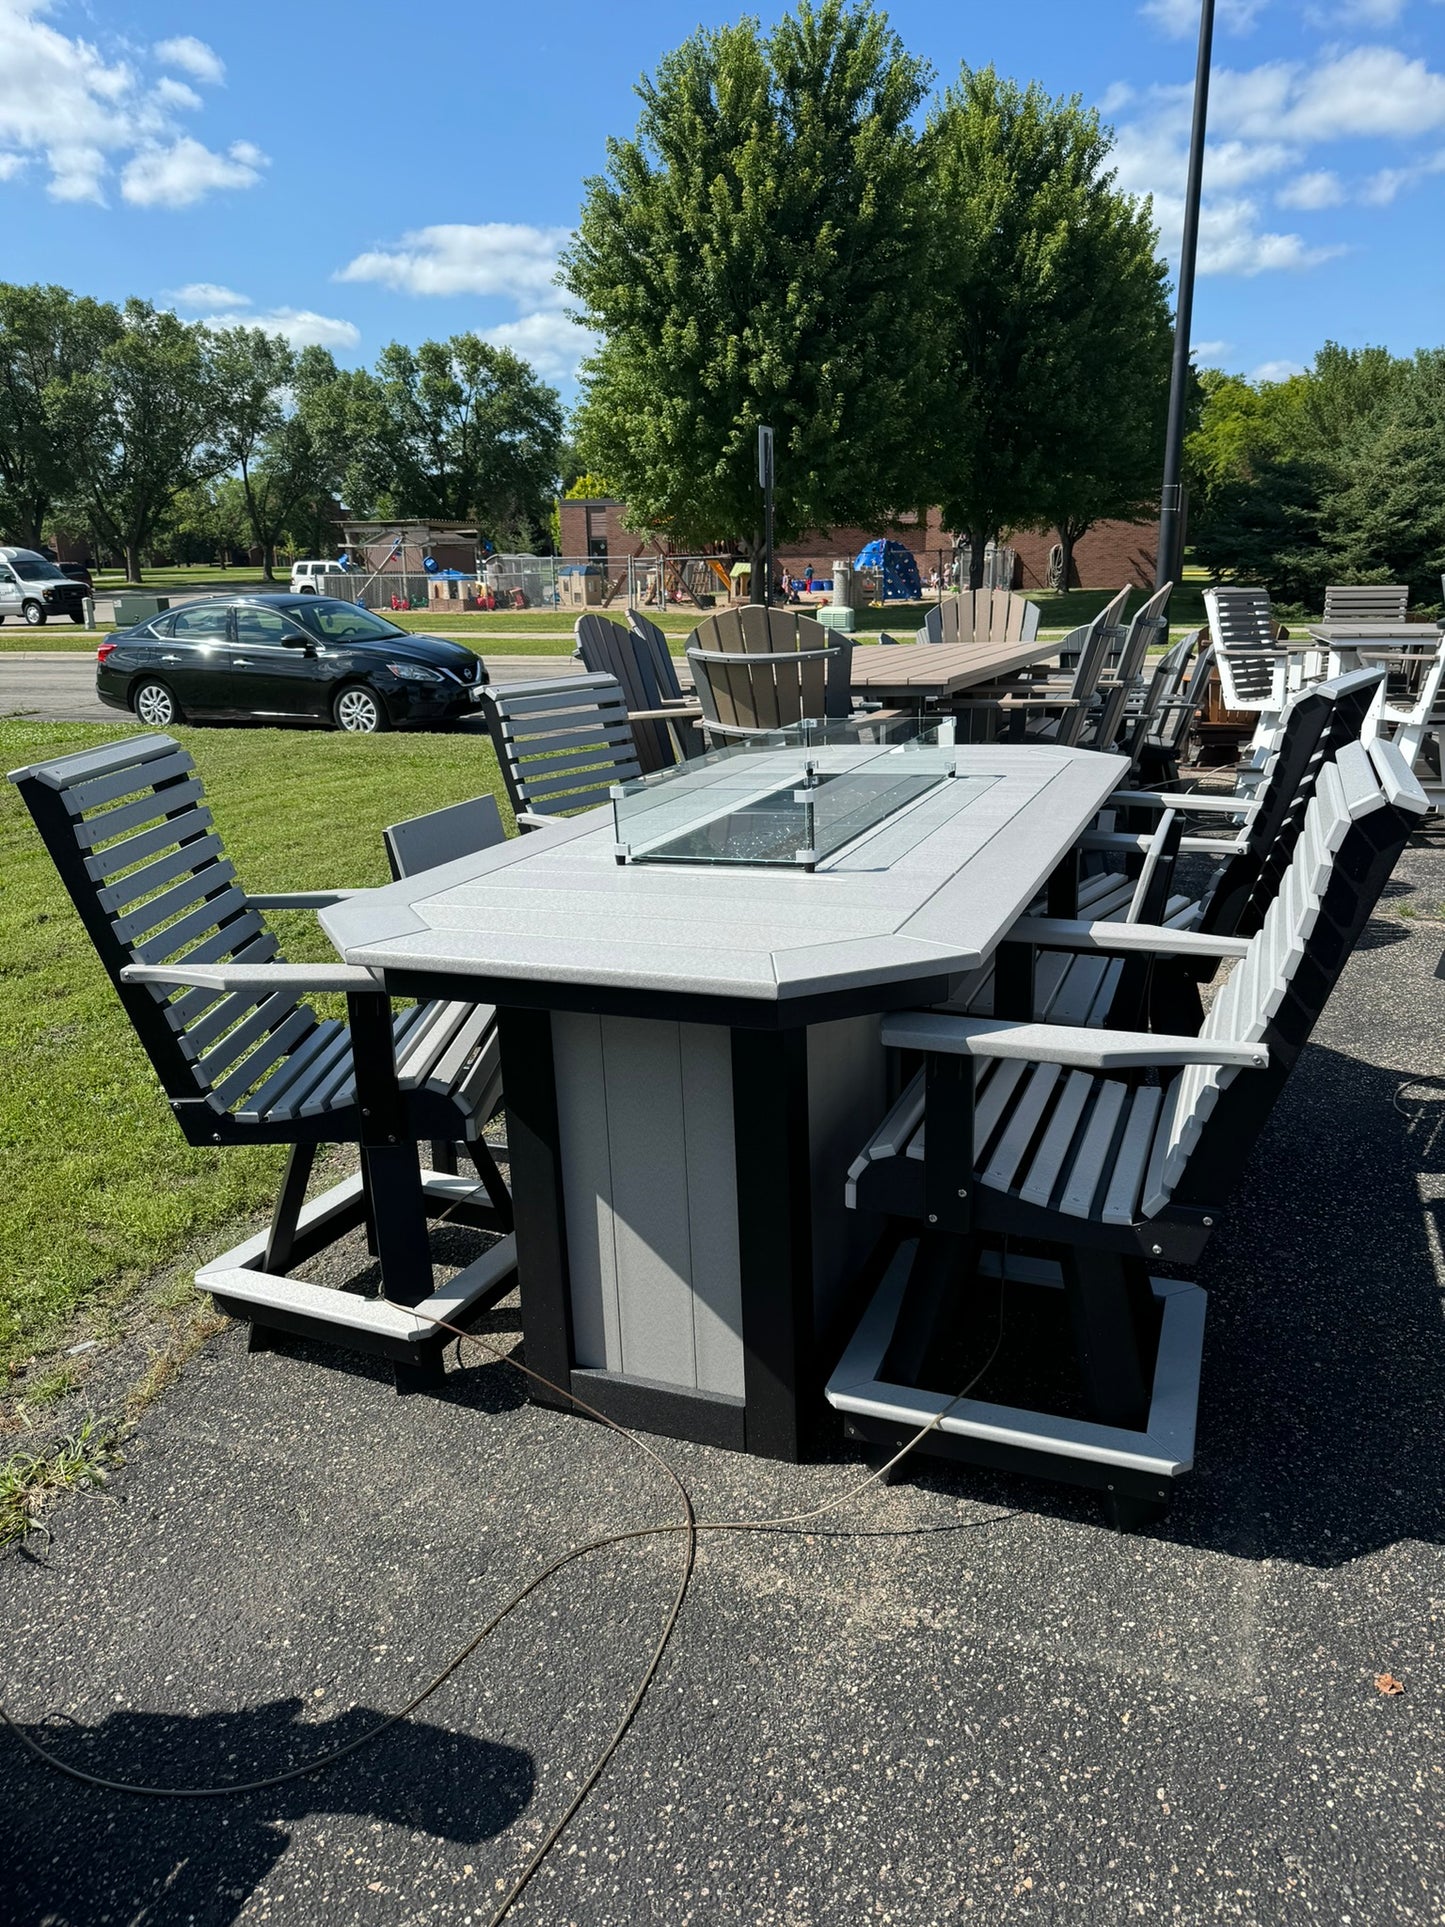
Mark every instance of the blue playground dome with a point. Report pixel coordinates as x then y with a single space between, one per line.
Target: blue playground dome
895 568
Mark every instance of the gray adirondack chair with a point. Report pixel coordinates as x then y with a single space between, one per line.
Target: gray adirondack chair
1107 1152
1123 677
561 743
1056 708
758 669
1367 602
663 731
1157 736
244 1059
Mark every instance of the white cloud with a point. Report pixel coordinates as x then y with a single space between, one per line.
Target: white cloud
302 327
186 172
1211 352
84 111
488 258
207 294
491 260
1276 370
1232 163
548 339
193 57
1179 19
1367 91
1369 13
1311 191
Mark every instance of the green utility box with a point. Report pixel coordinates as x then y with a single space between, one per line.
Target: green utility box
131 609
844 620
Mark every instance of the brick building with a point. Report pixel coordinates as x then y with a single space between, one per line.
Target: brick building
1111 554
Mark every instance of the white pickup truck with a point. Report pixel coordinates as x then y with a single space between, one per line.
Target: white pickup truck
306 576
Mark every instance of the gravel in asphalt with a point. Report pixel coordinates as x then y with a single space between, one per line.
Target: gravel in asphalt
964 1699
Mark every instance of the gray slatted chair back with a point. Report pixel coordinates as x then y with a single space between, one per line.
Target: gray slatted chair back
129 832
1367 602
758 669
653 642
607 649
1241 626
561 742
442 836
1088 647
1365 806
1125 666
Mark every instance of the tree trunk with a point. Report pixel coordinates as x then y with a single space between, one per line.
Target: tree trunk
132 562
1066 547
977 542
268 562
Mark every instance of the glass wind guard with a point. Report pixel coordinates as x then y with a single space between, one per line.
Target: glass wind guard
792 798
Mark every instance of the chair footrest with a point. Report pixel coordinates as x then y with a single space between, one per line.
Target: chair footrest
1163 1450
399 1332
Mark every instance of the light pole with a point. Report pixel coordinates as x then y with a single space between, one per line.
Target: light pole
765 482
1171 499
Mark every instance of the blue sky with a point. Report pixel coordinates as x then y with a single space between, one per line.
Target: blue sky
357 173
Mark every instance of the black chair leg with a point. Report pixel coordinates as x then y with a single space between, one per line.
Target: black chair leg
427 1374
444 1157
496 1187
1111 1324
931 1300
281 1239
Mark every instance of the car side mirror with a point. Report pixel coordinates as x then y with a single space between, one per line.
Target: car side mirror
304 643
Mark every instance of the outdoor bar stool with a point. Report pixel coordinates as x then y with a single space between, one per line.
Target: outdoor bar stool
1101 1153
562 743
244 1059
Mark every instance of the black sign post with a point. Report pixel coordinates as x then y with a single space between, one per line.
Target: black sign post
765 483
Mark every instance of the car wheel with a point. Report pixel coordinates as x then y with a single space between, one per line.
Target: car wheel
308 588
34 614
154 704
77 616
359 711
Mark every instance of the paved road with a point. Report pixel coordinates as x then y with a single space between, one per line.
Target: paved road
62 688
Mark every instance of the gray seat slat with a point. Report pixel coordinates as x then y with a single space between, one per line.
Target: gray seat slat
252 1069
269 1014
1043 1174
1091 1160
205 883
428 1038
280 1098
213 912
190 856
1002 1167
197 1038
1121 1197
130 816
449 1067
256 945
190 824
98 790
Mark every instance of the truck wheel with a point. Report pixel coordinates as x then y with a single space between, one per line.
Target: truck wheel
34 614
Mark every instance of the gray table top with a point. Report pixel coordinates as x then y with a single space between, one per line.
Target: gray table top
930 893
936 670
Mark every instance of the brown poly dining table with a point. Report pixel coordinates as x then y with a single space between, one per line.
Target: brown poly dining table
933 674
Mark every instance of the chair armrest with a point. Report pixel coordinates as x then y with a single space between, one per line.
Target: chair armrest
1126 843
1157 939
1067 1044
278 976
529 820
1185 801
300 899
1016 702
678 713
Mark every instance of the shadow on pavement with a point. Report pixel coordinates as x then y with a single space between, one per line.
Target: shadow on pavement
74 1856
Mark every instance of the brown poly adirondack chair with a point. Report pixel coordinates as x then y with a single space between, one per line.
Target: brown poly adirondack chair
758 669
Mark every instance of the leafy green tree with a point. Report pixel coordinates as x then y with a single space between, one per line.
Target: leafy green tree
757 253
1384 515
456 429
265 428
1042 270
1111 393
48 338
141 423
1267 529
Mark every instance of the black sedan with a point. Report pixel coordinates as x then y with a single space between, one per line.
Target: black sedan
297 658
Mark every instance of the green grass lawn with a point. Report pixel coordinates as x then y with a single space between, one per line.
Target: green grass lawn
97 1186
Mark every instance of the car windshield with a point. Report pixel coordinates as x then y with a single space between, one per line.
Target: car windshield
34 568
335 621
